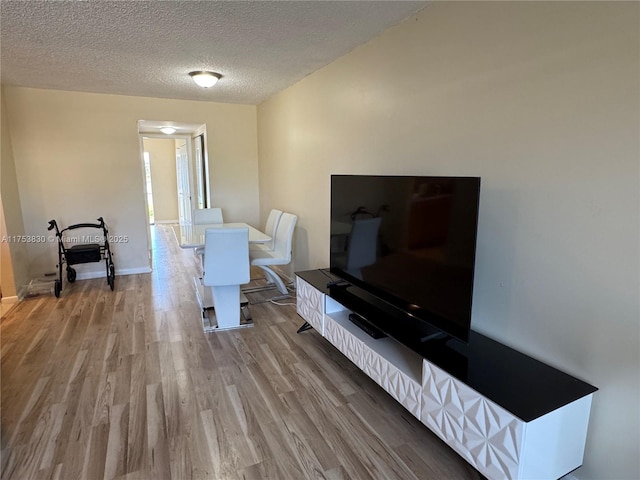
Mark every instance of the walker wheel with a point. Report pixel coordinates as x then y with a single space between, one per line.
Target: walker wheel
57 288
111 278
71 274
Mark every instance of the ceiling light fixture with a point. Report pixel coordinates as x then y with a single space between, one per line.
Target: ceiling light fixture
205 79
168 130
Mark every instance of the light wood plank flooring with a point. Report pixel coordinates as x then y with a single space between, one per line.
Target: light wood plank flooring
126 385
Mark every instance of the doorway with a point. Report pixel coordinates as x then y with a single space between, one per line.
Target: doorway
175 172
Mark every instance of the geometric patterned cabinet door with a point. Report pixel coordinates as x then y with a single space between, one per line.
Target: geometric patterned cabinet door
395 382
310 305
343 340
486 435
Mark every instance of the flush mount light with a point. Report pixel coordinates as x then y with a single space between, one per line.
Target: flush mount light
168 130
205 79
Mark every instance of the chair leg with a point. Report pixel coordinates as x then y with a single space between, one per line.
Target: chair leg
244 307
246 313
273 276
226 300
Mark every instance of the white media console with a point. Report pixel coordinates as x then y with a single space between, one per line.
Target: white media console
508 415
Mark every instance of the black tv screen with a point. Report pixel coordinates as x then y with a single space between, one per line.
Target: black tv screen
409 241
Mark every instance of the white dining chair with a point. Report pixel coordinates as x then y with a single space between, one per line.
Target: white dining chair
206 216
281 253
270 229
226 267
202 216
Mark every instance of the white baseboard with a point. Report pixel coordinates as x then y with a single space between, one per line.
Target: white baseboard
133 271
87 275
119 272
166 221
10 300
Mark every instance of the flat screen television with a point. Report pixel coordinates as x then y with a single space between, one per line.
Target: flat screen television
407 243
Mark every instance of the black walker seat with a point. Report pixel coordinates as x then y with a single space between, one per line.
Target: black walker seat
83 253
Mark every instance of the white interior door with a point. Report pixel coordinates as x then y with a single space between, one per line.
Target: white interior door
184 190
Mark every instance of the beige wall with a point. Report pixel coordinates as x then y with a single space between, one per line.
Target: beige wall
77 157
7 282
542 101
14 272
162 160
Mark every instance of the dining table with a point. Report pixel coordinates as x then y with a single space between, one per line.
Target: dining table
190 236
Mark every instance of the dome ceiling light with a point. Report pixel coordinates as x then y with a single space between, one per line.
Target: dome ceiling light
204 78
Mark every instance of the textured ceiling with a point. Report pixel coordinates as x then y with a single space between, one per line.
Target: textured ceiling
147 48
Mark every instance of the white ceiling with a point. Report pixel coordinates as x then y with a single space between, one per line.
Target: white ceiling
147 48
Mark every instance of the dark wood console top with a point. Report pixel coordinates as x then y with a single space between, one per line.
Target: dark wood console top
522 385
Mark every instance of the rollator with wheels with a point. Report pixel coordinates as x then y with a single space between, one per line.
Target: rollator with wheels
83 252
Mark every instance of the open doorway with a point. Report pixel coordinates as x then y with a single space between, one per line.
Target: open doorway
159 157
175 171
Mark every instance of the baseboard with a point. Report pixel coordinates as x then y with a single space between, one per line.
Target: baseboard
119 272
10 300
133 271
161 222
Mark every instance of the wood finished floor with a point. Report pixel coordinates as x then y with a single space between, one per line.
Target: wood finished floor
126 385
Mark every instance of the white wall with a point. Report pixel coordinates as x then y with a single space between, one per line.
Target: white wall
77 157
540 99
